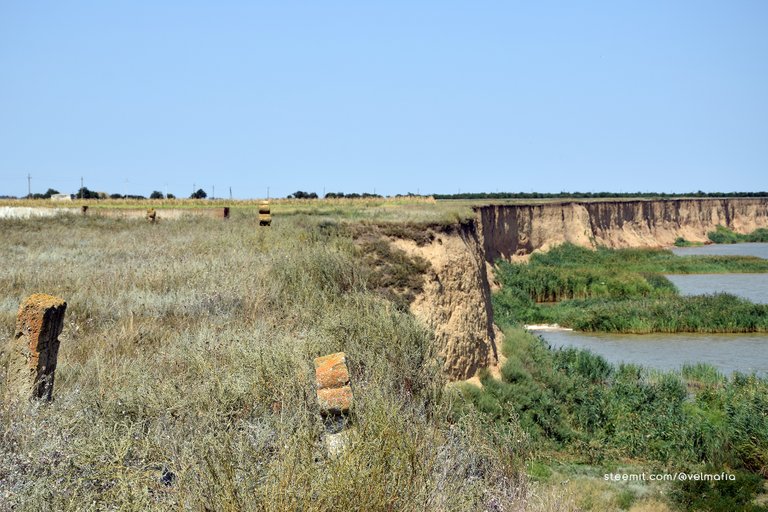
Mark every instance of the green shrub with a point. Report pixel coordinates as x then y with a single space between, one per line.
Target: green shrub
719 496
723 235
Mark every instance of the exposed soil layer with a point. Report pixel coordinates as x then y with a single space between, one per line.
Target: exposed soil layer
509 231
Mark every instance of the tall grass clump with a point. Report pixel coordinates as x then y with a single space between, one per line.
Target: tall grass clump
185 378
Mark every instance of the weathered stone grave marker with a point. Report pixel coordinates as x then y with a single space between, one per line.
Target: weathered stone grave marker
334 395
265 217
33 351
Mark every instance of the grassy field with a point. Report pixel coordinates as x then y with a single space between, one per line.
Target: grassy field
415 210
412 209
185 378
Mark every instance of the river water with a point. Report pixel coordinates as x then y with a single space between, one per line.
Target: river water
727 352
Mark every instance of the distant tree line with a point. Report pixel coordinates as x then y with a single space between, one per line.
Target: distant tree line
353 195
589 195
47 195
86 193
300 194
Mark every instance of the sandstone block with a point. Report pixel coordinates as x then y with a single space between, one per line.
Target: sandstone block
332 381
35 347
331 371
265 216
335 400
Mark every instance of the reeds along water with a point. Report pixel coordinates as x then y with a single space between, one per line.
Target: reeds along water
573 401
623 291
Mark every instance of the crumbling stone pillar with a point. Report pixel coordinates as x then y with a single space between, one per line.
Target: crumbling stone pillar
34 348
334 395
265 217
332 380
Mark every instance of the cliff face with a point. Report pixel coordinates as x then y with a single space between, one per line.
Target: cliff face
508 231
456 300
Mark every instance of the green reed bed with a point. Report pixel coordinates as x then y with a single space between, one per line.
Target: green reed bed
623 291
577 407
719 313
723 235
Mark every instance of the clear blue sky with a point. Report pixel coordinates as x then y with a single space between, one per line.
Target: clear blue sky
396 96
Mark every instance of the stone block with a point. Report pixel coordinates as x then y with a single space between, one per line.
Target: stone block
334 393
335 400
331 371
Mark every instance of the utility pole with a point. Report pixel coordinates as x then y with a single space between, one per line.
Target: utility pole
213 191
230 193
29 186
81 187
267 192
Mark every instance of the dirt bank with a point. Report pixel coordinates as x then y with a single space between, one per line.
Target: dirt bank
456 300
508 231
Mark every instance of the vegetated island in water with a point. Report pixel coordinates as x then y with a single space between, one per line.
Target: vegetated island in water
625 291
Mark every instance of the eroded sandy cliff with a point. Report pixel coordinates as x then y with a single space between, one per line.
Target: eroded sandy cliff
455 300
507 231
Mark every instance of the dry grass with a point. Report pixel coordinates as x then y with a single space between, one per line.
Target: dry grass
185 377
421 210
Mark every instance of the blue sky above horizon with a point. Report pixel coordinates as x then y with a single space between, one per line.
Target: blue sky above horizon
391 97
